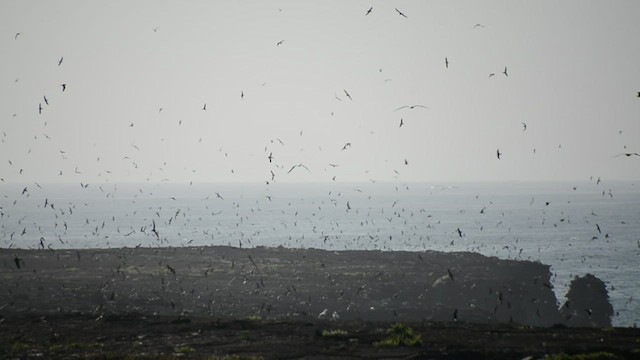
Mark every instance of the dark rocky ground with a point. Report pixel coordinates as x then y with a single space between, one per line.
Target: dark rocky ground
234 303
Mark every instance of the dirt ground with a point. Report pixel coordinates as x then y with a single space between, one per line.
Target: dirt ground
223 302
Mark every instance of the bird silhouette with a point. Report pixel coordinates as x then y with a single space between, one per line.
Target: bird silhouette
505 71
270 157
411 107
60 61
627 154
347 94
446 62
280 43
40 108
64 87
296 166
401 13
369 11
498 154
346 146
524 126
204 107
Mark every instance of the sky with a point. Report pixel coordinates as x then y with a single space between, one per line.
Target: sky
138 75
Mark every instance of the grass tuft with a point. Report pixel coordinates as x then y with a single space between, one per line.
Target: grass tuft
400 335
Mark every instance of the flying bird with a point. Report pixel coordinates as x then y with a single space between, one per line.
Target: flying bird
401 122
369 11
270 157
627 154
40 108
446 62
16 37
299 165
64 87
45 100
280 43
478 25
505 72
346 93
411 107
346 146
524 126
241 94
498 154
492 74
60 61
204 107
401 14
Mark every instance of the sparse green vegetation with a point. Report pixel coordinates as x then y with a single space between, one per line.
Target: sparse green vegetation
336 333
589 356
245 335
255 318
184 349
400 335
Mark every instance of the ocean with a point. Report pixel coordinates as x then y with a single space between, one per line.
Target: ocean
576 228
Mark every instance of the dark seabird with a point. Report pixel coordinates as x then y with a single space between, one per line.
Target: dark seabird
446 62
401 14
524 126
45 100
346 146
411 107
498 154
280 43
40 108
628 154
60 61
270 157
204 107
346 93
64 87
401 122
505 71
369 11
298 165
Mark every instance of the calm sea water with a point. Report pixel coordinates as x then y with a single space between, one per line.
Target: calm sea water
592 228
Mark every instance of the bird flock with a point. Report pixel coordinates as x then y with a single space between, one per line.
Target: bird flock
327 218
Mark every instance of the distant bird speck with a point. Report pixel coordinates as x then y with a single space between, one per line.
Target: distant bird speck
64 87
498 154
369 11
280 43
411 107
401 13
60 61
347 94
204 107
446 62
505 71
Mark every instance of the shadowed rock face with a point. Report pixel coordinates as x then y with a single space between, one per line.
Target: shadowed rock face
587 303
225 282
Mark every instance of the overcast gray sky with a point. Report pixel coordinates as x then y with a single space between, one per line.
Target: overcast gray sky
573 74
